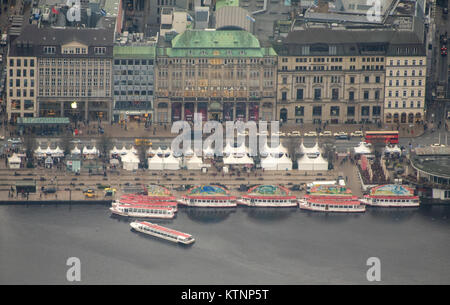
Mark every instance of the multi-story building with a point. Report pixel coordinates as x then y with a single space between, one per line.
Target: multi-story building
225 75
133 82
341 76
405 84
68 73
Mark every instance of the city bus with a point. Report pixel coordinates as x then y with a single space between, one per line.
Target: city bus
382 137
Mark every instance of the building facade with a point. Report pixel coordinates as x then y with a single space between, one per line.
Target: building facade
72 73
133 82
405 87
335 76
224 75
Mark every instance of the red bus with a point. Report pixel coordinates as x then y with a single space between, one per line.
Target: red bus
382 136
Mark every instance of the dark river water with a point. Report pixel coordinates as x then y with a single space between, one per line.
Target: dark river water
238 246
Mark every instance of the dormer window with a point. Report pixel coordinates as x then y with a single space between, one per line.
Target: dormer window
49 50
99 50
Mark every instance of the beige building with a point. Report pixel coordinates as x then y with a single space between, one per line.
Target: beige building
224 75
405 88
21 87
335 76
71 74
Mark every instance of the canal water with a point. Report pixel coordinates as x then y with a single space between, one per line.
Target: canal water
237 246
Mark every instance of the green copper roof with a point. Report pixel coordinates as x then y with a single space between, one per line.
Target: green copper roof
134 52
222 3
215 40
203 43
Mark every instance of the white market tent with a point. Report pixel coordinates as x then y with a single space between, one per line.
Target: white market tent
229 160
14 161
363 148
269 163
310 151
114 151
130 161
245 160
155 163
90 152
306 163
208 152
75 151
195 163
392 149
171 163
284 163
58 152
39 152
274 151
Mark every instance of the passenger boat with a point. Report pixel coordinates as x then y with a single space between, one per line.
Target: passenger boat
391 195
268 196
149 201
208 196
331 198
162 232
143 211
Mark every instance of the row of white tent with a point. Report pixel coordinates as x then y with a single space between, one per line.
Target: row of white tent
172 163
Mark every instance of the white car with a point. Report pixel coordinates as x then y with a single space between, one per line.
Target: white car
326 133
311 134
340 133
2 138
280 134
357 133
15 141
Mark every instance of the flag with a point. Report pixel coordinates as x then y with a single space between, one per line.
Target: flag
55 11
103 12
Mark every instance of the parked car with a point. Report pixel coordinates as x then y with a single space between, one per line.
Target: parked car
49 190
15 141
357 133
311 134
326 133
341 135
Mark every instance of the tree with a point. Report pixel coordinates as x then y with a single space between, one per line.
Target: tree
66 143
292 144
105 145
142 154
30 144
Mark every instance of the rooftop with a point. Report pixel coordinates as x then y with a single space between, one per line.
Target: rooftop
223 3
135 52
436 165
211 43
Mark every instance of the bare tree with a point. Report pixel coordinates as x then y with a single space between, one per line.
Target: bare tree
142 154
292 144
30 144
66 142
105 145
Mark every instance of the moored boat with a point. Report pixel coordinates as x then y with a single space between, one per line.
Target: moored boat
208 196
268 196
143 211
331 198
391 195
146 202
162 232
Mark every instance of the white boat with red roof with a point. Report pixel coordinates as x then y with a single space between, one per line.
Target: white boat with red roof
162 232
